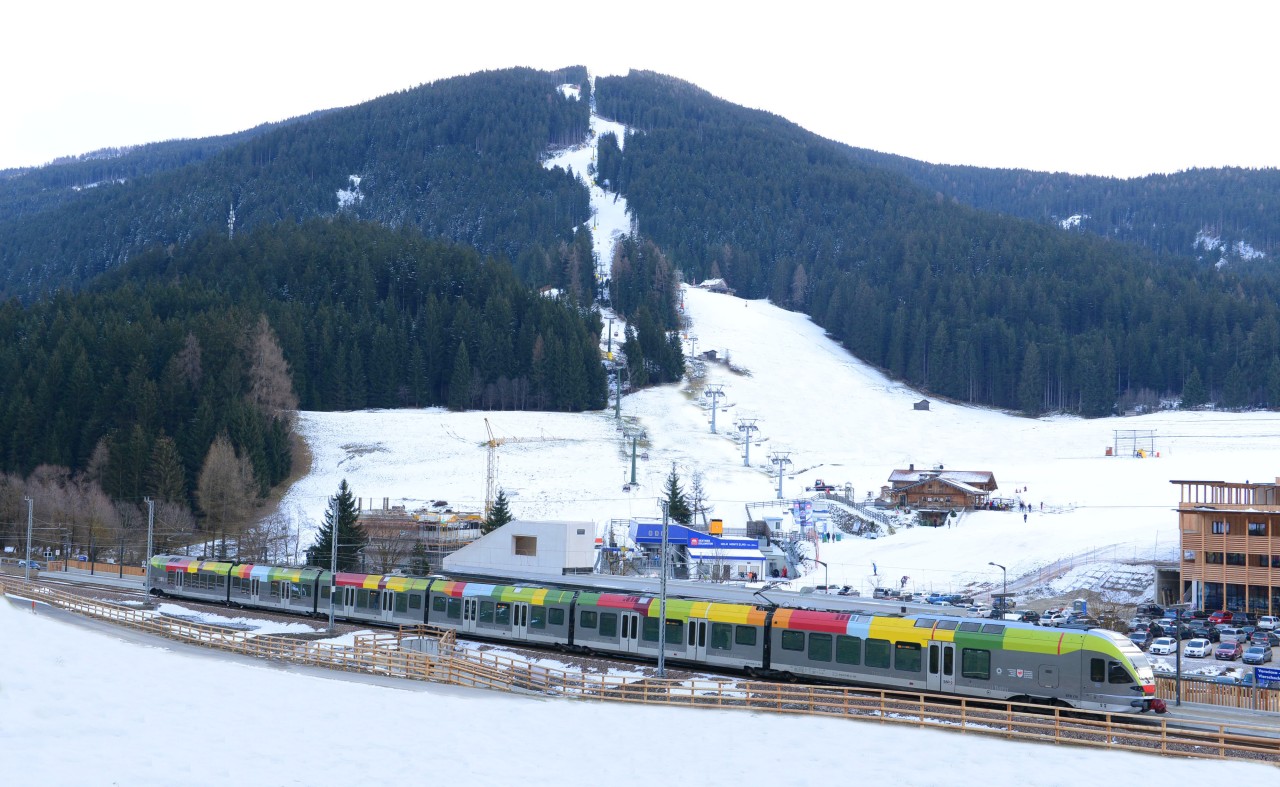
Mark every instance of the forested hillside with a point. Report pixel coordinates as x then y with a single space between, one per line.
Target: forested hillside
131 380
458 159
963 303
1207 213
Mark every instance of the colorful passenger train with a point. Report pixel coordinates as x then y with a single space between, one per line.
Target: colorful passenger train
1093 670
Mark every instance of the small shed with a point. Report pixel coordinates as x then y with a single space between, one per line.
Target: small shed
923 404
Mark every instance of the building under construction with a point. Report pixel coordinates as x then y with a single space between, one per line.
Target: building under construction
394 532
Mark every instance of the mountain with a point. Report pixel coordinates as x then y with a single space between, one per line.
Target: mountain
458 159
1216 215
961 302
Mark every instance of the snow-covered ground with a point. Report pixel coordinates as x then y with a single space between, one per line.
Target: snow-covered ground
87 706
842 421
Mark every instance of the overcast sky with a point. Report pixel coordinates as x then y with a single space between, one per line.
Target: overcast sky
1110 88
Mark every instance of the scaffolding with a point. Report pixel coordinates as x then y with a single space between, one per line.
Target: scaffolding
1133 442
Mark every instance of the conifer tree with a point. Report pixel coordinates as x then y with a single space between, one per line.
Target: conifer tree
499 515
342 518
1193 392
677 506
460 382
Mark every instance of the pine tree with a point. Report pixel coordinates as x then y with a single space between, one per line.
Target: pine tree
1029 386
1193 392
460 382
343 517
677 506
418 565
498 516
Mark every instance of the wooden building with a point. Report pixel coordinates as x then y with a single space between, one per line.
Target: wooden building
936 493
1230 539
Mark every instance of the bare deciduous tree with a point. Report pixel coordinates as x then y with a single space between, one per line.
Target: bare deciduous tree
270 387
226 491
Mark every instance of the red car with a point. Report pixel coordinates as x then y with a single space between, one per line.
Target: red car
1219 616
1229 651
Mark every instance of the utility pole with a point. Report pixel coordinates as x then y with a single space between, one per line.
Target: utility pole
617 385
30 506
610 338
662 597
715 391
634 437
333 569
780 458
747 426
151 530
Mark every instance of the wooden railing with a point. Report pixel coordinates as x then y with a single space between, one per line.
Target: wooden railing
392 653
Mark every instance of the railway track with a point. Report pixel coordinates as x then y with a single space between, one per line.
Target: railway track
1233 735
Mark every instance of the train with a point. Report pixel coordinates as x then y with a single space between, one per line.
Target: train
1094 670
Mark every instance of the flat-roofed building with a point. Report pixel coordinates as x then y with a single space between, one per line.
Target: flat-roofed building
1230 539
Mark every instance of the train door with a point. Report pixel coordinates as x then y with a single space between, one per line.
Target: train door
629 633
470 605
520 620
389 605
942 667
253 590
696 639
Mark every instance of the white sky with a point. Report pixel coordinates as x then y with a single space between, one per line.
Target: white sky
1093 87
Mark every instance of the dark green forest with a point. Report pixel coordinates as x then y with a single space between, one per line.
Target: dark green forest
959 302
365 316
458 159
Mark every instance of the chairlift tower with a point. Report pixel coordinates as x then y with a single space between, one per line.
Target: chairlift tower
747 426
714 392
781 459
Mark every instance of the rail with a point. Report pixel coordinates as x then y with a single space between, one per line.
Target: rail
392 653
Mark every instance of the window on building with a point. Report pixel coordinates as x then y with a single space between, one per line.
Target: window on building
1235 559
1264 561
1188 556
525 545
1257 528
1215 558
1220 528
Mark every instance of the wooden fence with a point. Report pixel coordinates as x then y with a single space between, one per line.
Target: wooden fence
430 653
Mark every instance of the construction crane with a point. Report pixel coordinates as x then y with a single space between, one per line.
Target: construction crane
491 478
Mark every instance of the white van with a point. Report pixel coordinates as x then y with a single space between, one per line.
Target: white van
1268 622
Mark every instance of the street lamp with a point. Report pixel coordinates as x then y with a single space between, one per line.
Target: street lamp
1004 600
826 574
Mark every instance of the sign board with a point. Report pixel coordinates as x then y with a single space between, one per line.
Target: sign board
1266 674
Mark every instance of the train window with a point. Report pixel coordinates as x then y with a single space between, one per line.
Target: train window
925 623
793 640
275 588
947 625
675 630
324 592
1116 673
877 653
555 616
537 617
948 661
975 664
455 609
745 635
721 636
438 604
587 619
649 631
502 614
402 602
486 611
992 628
970 626
819 647
415 601
366 599
848 650
1097 670
906 657
608 624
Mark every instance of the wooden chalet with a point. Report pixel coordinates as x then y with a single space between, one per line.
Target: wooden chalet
936 493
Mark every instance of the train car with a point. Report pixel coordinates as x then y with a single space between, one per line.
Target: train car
514 612
272 587
207 580
374 598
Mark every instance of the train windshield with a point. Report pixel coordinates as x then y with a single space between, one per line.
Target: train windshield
1136 657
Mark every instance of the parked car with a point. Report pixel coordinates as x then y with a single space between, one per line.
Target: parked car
1243 618
1141 638
1199 629
1257 654
1149 611
1138 623
1163 646
1231 634
1198 649
1261 637
1219 616
33 563
1056 619
1228 651
1268 622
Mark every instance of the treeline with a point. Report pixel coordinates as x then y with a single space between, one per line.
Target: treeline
643 287
971 305
458 159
